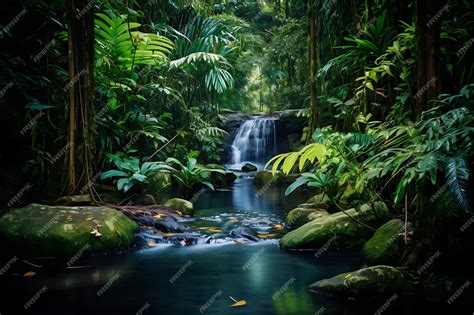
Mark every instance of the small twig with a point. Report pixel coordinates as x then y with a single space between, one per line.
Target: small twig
31 264
406 219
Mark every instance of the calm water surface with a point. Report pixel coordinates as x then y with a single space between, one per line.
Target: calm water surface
170 279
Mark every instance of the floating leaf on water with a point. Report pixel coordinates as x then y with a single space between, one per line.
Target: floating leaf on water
167 234
271 235
215 230
238 303
261 236
151 244
29 274
159 216
89 218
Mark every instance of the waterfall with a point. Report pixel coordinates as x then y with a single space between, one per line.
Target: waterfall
255 142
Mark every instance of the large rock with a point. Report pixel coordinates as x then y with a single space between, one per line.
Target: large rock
249 167
219 179
367 283
316 233
301 215
40 230
186 207
385 245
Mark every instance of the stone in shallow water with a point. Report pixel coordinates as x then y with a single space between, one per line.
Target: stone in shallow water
249 167
40 230
368 283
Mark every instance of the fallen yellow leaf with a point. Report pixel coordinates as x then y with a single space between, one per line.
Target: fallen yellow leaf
215 230
29 274
271 235
168 234
179 212
151 244
89 218
261 236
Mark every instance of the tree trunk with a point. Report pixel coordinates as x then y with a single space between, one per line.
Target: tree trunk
312 58
429 15
80 17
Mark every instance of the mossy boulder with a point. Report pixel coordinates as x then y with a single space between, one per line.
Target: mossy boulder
385 247
184 206
302 215
367 283
316 233
43 231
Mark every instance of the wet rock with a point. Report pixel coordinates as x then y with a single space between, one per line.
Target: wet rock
385 246
350 233
244 232
60 231
368 283
186 207
218 179
249 167
301 215
166 223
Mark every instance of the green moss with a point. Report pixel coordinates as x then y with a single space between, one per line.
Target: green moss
369 282
40 230
302 215
349 233
186 207
384 247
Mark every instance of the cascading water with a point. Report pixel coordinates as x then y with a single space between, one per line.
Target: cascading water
255 142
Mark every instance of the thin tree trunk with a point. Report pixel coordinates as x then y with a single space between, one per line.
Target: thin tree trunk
80 17
429 16
312 58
